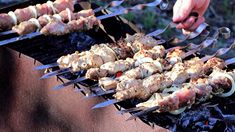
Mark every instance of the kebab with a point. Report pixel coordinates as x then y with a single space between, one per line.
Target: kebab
65 16
57 27
111 68
187 94
34 24
151 67
178 75
121 51
8 20
77 25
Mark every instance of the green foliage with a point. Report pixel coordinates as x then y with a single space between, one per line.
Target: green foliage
149 19
130 16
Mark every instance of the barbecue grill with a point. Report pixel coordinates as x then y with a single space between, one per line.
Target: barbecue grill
211 115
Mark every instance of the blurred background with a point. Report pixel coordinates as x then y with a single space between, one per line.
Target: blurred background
220 13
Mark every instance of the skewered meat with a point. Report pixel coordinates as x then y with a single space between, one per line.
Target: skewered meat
117 48
7 21
178 75
111 68
147 67
154 53
57 27
141 41
108 83
175 56
98 55
194 92
36 24
213 63
142 71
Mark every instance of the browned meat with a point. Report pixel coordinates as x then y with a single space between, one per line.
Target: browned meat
96 73
61 5
6 22
196 91
43 9
178 99
60 28
25 27
144 89
110 68
65 61
95 57
84 13
55 27
107 83
219 83
194 67
64 16
142 71
24 14
214 63
145 69
178 74
175 56
154 53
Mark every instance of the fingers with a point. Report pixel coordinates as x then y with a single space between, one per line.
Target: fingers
182 9
187 24
194 26
197 23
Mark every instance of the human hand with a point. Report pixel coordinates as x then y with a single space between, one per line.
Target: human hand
183 8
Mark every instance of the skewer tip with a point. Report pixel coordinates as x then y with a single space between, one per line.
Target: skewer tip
105 103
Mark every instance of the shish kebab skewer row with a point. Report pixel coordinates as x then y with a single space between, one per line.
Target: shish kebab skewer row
75 25
198 90
151 61
146 69
65 16
99 54
8 20
151 66
158 51
173 56
143 89
59 28
124 65
36 24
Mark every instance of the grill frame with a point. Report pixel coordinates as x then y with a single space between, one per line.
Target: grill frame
27 43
